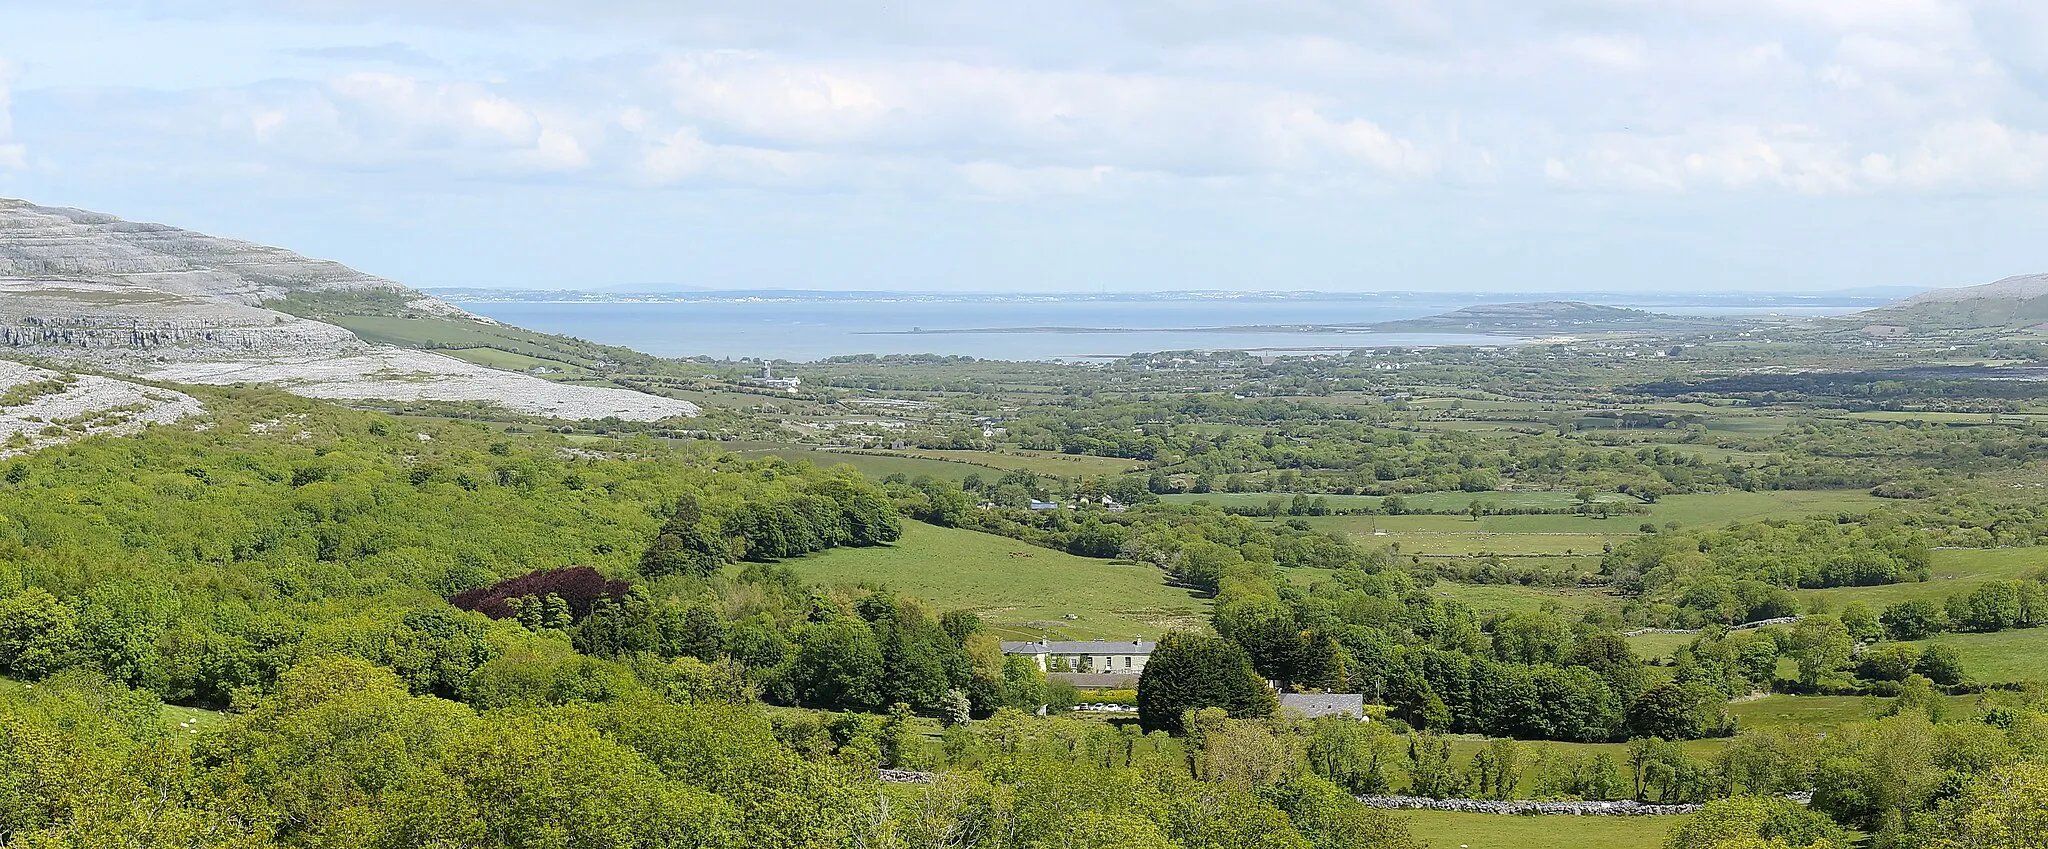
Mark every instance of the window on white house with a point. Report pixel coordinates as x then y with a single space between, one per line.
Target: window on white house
1127 661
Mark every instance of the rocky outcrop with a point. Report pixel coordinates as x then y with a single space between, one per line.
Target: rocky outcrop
1528 807
398 374
904 776
1746 626
40 407
116 326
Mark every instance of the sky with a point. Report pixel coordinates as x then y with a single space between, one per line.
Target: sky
1056 145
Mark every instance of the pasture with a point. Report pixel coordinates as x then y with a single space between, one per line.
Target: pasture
1051 463
1021 591
2002 657
1446 830
1954 570
1823 713
1658 646
871 466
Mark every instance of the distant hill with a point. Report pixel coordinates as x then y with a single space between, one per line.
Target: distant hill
57 244
2011 303
97 292
1547 317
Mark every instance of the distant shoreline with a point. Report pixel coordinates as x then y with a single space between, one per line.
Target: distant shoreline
1248 328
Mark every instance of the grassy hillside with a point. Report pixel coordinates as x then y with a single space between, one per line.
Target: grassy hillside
2003 657
1022 591
1972 314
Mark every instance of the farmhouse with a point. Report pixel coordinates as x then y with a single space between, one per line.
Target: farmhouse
1100 656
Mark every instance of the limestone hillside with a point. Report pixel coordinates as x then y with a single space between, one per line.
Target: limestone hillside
104 294
2014 302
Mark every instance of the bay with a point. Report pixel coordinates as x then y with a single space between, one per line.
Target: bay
806 330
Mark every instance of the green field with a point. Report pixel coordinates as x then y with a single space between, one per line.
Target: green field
453 333
1821 713
1020 590
1552 534
494 358
1655 646
1816 712
871 466
1261 499
1954 570
1516 598
1043 462
1445 830
2003 657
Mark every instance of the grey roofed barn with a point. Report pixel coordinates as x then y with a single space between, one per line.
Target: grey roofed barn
1312 705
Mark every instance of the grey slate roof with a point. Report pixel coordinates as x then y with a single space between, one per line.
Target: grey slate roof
1080 647
1313 705
1095 680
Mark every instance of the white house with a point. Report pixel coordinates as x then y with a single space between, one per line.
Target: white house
1102 656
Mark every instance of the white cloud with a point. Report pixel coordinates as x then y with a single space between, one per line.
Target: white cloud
1956 156
377 119
968 97
1024 118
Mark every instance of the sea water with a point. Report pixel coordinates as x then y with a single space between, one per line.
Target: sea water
803 330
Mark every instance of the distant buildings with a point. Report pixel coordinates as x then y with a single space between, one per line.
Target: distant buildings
768 380
1092 656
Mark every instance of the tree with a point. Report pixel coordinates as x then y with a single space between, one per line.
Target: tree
1942 663
525 782
1673 711
38 634
1820 646
1757 822
1193 671
1430 772
2007 809
839 665
1863 624
1356 756
1916 619
1891 662
578 588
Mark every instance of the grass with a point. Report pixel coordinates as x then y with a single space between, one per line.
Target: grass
1954 570
871 466
455 333
1655 646
1043 462
1824 713
494 358
2003 657
1515 598
1020 590
1552 534
1719 508
1445 830
1780 713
